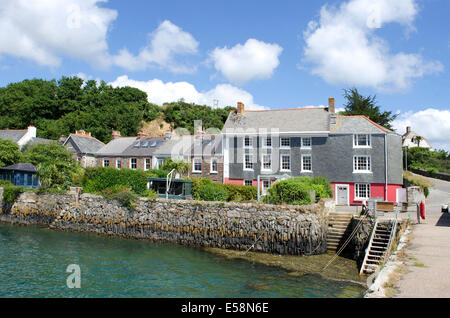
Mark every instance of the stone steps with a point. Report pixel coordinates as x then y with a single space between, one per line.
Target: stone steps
338 223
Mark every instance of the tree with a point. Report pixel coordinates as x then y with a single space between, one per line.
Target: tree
418 139
366 105
9 153
55 165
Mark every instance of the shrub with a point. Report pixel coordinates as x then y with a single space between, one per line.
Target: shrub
197 184
10 193
157 173
239 193
290 191
98 179
212 192
418 181
127 198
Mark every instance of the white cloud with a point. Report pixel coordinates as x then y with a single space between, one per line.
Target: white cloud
431 123
343 48
43 31
166 41
159 92
242 63
46 31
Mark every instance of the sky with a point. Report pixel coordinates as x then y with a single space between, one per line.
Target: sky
266 54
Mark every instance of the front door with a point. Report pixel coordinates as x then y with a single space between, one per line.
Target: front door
342 195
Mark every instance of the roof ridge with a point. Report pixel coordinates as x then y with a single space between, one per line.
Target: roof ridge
369 120
282 109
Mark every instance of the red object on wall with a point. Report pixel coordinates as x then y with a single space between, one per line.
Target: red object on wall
422 210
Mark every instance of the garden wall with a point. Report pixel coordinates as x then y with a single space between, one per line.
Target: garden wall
295 230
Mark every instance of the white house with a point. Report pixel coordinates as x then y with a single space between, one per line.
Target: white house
21 137
410 139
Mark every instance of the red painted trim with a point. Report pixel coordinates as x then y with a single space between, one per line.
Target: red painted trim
377 190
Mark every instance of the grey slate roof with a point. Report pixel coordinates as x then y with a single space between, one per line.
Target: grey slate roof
142 147
116 146
85 144
284 120
37 140
175 146
14 135
28 167
357 124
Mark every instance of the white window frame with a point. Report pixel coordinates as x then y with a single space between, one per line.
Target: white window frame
368 163
251 161
109 162
118 160
336 186
302 166
250 146
368 189
262 162
149 164
217 165
244 182
264 189
281 162
310 143
281 142
194 170
368 141
264 142
131 163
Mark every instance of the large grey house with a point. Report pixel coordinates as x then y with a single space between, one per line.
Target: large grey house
361 159
83 146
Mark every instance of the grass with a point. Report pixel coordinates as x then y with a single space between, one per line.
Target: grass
419 264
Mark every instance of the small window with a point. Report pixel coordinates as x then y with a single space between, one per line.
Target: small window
361 140
286 162
361 164
285 142
306 142
306 164
214 165
265 186
248 182
197 165
106 162
148 163
248 162
266 162
362 191
133 163
118 163
248 142
267 142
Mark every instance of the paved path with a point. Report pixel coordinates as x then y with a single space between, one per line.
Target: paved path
430 246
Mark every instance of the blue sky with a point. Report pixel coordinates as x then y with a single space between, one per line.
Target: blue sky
267 54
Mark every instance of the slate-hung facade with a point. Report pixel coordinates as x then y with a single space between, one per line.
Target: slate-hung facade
360 158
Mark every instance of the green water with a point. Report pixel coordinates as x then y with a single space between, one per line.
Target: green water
33 263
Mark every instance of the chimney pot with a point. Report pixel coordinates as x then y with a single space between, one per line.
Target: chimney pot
331 108
408 129
115 134
240 108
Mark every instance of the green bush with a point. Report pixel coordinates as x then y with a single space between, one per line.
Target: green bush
127 198
240 193
157 173
212 192
98 179
290 191
10 193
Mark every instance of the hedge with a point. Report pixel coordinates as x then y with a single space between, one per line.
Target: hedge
205 190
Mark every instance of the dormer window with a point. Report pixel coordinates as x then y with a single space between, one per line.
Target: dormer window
361 140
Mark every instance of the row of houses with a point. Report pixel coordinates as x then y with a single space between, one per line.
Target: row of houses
360 158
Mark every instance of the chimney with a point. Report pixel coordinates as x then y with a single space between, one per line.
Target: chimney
82 133
408 129
141 134
331 108
115 134
198 127
32 130
240 108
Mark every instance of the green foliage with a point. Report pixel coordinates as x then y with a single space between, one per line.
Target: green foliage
99 179
157 173
366 105
297 190
179 165
211 192
55 165
288 192
127 198
241 193
60 107
11 192
428 160
183 115
9 153
418 181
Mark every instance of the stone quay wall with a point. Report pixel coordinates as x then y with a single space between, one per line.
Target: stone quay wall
294 230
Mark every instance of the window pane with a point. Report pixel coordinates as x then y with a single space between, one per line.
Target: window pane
247 142
286 162
267 162
214 165
285 142
306 162
268 142
248 164
306 142
248 182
